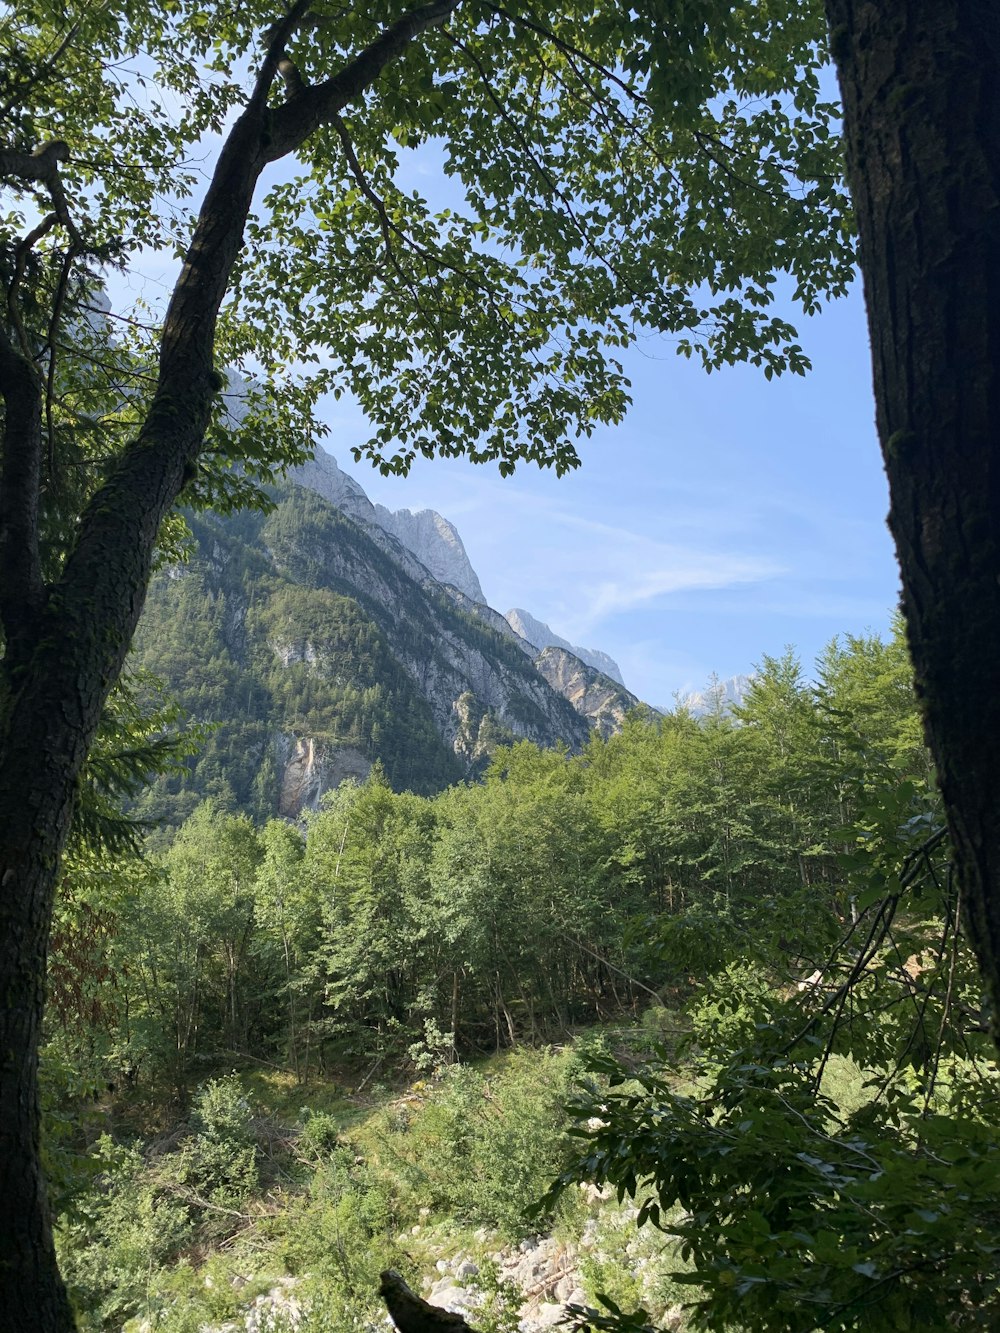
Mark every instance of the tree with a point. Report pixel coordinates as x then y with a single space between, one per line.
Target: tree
606 191
922 132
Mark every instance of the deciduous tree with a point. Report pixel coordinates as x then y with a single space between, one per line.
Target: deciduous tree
922 120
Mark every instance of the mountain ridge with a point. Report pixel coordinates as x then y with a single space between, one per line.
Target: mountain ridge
314 645
435 542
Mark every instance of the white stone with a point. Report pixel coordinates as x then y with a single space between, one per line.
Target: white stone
545 1316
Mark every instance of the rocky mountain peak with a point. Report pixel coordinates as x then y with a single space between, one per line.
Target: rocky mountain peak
718 696
427 535
436 544
538 633
594 694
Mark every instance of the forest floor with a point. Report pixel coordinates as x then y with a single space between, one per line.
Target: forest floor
272 1204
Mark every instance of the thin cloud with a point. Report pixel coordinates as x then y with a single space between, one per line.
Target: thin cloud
680 570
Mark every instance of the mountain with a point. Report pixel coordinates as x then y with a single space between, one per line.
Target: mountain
599 698
437 546
313 645
541 636
718 696
426 535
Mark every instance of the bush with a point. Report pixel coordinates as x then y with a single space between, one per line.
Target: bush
487 1146
222 1157
121 1233
342 1238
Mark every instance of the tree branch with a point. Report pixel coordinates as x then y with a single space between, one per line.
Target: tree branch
25 86
542 171
42 168
59 301
316 105
385 225
105 576
20 480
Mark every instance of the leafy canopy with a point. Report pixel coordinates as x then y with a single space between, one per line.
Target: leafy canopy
522 194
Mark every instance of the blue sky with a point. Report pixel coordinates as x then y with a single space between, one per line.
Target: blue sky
726 518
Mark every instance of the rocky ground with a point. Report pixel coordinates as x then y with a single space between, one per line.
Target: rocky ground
524 1288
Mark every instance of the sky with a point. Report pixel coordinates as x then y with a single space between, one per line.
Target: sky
727 518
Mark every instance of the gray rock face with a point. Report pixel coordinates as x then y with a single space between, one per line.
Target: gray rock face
594 695
470 690
719 695
436 544
322 475
538 633
308 768
432 539
447 652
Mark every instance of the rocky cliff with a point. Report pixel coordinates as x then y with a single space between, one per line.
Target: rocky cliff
312 647
539 634
431 539
594 695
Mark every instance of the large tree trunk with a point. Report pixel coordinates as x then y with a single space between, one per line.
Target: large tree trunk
921 89
51 705
55 677
64 646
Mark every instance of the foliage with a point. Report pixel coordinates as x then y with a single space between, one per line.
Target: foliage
552 137
558 891
817 1148
808 1203
484 1147
120 1248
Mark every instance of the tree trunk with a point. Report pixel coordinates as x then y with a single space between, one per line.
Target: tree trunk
65 645
921 94
33 1295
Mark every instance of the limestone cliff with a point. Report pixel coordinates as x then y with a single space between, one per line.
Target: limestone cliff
430 539
312 648
436 544
594 695
539 634
308 768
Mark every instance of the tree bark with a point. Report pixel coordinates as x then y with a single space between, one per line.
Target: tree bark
65 645
921 96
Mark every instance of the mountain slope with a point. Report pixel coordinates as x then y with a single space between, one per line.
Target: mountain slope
313 648
432 540
601 700
539 634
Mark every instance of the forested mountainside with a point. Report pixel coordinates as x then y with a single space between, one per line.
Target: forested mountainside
311 648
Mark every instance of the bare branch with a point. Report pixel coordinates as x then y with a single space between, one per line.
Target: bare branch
385 225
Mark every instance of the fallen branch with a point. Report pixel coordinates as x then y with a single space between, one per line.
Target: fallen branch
411 1314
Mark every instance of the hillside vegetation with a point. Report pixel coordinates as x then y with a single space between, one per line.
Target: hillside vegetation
266 1042
295 628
